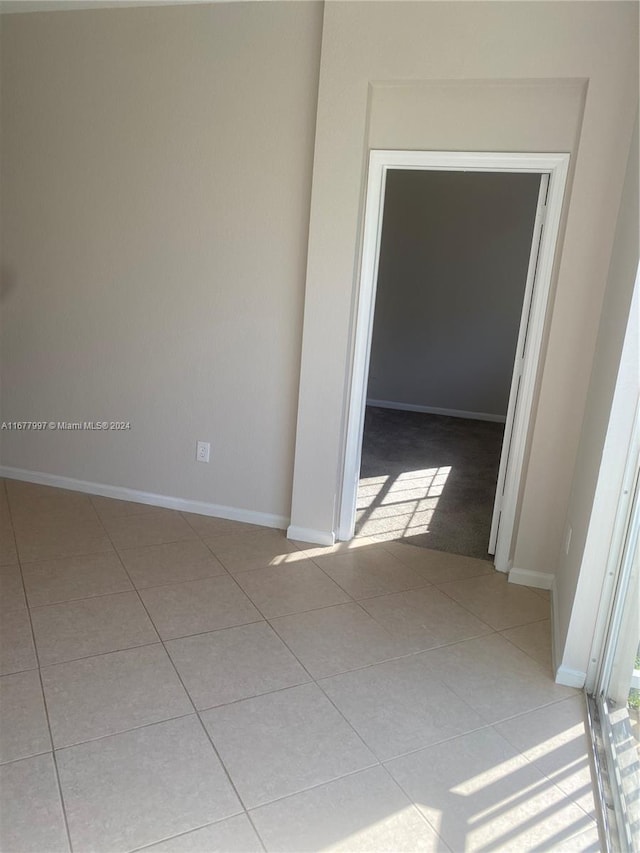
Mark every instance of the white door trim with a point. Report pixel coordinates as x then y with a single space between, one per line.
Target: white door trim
554 165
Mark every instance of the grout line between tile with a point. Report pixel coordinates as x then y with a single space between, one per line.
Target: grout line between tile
100 654
122 732
314 787
188 832
533 763
465 607
255 696
312 679
416 809
44 698
528 654
195 710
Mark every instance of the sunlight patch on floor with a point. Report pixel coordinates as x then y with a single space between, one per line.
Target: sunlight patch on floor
400 505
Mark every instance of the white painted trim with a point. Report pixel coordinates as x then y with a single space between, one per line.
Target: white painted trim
264 519
627 550
554 165
557 168
518 366
362 332
305 534
529 577
433 410
556 659
570 677
618 535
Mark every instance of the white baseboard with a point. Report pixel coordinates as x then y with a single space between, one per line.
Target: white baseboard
306 534
570 677
528 577
555 630
432 410
264 519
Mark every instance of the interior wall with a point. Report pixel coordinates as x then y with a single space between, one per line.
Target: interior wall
454 255
156 171
604 440
467 76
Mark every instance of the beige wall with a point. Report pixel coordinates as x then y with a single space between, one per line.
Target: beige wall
454 256
604 442
156 168
479 76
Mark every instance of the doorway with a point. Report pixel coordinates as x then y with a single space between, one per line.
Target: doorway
545 176
454 254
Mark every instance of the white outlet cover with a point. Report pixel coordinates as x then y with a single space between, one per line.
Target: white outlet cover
203 449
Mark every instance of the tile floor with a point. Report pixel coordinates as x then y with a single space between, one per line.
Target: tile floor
172 683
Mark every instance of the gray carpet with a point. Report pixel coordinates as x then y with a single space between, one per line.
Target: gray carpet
428 480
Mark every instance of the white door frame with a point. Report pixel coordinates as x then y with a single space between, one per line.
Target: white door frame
548 221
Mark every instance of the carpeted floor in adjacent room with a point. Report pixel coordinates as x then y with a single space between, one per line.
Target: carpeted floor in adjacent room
429 480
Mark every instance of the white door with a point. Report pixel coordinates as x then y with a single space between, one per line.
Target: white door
519 362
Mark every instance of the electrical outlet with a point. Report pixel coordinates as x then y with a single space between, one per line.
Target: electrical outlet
203 449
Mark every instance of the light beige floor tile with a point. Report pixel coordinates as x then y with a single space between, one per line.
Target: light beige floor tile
151 528
11 590
482 795
534 639
16 643
224 666
439 566
555 739
32 497
8 553
233 835
336 639
256 550
115 508
90 626
174 562
46 519
284 742
23 722
543 593
280 746
312 551
370 572
496 601
502 680
291 588
586 842
62 540
424 618
111 693
195 607
362 812
70 578
140 787
31 819
400 705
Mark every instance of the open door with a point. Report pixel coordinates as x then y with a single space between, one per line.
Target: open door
518 365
